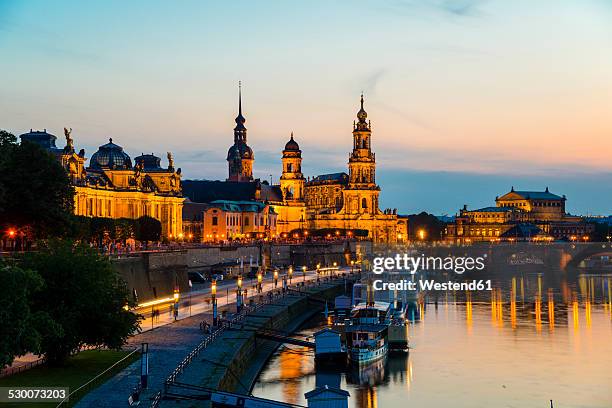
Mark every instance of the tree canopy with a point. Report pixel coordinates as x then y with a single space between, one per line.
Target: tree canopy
18 331
35 192
83 295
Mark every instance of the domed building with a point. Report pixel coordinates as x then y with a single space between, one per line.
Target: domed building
111 186
110 156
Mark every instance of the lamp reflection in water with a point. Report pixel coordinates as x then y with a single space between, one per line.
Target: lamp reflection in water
575 314
513 304
292 363
468 312
551 310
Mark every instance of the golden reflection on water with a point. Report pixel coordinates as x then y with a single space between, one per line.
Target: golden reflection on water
578 315
468 312
551 310
292 363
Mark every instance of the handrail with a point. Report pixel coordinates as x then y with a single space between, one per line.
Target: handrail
96 377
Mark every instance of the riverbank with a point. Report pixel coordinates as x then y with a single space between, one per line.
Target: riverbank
233 361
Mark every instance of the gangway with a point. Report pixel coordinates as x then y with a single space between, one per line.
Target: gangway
268 335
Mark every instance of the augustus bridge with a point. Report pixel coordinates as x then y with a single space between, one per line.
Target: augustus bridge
559 256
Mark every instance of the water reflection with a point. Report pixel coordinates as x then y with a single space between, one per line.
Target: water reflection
533 338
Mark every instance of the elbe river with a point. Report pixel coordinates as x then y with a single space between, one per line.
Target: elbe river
537 336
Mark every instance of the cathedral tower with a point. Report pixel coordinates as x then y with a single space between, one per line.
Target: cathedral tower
292 179
240 156
361 195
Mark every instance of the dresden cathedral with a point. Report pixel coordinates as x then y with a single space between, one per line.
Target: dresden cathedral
339 201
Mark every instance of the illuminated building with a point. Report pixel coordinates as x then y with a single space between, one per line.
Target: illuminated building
339 201
111 187
222 219
519 216
351 203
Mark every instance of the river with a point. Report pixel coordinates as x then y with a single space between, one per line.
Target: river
535 337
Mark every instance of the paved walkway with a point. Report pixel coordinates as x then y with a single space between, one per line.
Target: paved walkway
168 346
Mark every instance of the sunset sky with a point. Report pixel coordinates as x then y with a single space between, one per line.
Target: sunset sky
466 98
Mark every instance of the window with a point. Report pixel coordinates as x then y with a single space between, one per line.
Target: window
246 221
289 167
364 203
215 220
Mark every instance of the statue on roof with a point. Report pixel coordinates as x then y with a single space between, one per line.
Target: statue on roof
69 141
170 161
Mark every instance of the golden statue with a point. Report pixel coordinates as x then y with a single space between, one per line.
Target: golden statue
69 141
170 161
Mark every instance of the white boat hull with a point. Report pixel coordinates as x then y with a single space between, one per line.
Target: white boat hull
366 356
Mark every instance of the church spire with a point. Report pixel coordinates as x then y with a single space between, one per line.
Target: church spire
362 115
240 129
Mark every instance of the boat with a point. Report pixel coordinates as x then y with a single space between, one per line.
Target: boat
366 332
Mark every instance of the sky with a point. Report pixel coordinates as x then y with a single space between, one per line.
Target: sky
467 98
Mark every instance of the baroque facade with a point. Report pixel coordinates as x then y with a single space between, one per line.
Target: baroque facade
338 201
519 216
352 203
114 188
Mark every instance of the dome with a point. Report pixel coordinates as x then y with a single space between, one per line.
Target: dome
240 150
110 156
149 161
42 138
362 115
292 145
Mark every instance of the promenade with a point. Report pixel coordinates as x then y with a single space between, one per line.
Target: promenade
169 342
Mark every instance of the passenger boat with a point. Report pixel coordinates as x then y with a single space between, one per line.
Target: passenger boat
367 331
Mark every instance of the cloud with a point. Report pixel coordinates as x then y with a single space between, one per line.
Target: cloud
371 81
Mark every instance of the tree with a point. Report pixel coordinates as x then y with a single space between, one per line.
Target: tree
101 228
124 228
35 191
431 226
19 329
83 295
148 229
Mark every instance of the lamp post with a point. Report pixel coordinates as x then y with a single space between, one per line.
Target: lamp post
259 281
239 295
275 279
421 234
318 271
304 273
334 270
213 292
290 274
352 266
177 297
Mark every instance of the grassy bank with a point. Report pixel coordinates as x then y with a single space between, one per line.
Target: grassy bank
77 371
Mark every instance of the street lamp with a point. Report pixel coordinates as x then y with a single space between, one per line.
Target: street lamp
177 297
213 292
352 266
290 274
304 272
421 234
259 281
275 279
239 295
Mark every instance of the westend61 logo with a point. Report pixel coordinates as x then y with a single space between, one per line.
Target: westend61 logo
411 264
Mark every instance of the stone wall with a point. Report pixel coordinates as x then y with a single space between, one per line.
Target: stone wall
155 274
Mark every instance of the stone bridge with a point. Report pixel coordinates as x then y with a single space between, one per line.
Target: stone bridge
552 255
